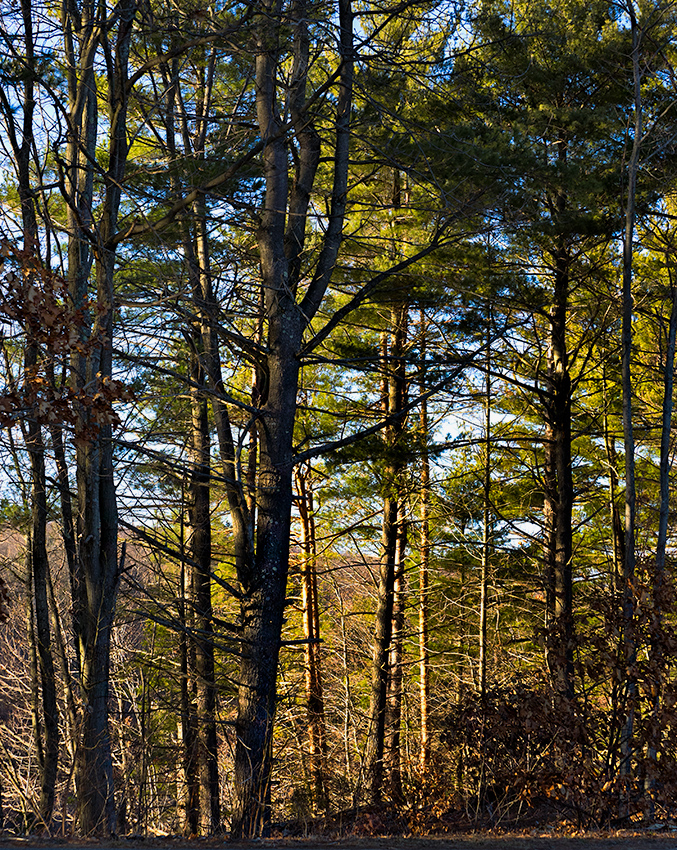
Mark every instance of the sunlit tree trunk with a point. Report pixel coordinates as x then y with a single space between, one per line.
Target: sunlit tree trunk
486 520
423 578
187 779
317 738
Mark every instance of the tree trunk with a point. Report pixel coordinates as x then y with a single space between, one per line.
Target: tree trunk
656 648
394 401
199 545
317 739
200 746
559 487
210 805
281 239
393 756
486 519
263 587
97 559
97 565
423 579
263 595
188 790
36 714
656 651
628 611
42 632
374 751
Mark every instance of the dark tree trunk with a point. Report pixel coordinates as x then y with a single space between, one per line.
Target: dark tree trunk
264 597
97 559
200 794
393 755
383 621
657 646
196 250
281 237
97 569
201 599
42 632
36 714
559 489
394 401
628 610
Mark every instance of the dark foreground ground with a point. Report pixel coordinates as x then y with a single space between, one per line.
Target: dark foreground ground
532 840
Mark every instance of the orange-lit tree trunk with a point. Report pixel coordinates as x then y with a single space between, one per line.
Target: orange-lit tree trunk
317 738
423 577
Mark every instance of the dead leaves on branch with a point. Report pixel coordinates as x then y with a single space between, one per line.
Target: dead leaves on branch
527 753
40 326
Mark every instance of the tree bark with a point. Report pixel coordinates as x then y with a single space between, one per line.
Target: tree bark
281 240
42 633
423 587
657 647
393 755
628 610
210 806
394 401
486 519
317 738
200 549
97 568
559 485
188 790
374 751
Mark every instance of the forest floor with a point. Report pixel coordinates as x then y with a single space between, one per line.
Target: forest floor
533 839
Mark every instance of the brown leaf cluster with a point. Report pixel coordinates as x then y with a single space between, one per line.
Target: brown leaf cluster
36 307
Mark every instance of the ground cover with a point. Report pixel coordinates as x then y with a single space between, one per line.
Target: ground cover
655 838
